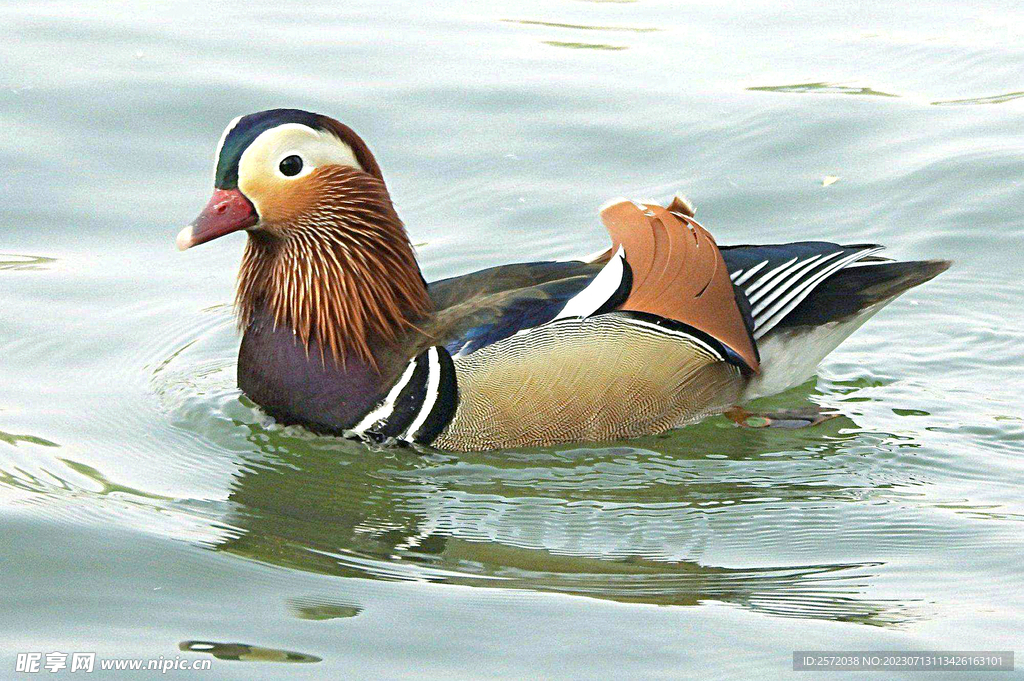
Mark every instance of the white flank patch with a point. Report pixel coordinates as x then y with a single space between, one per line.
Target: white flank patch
791 356
433 388
599 291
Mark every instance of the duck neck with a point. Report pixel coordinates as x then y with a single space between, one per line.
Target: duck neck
347 284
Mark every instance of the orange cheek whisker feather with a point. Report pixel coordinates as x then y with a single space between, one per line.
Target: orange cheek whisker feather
343 274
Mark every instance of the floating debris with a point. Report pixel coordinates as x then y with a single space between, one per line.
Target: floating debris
994 99
14 439
10 261
583 46
245 652
581 27
314 609
822 89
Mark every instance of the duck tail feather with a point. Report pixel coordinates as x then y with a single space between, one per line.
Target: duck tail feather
866 284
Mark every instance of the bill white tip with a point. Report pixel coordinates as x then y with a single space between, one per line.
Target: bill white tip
184 240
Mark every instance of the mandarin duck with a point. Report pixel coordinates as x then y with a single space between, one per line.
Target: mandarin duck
342 334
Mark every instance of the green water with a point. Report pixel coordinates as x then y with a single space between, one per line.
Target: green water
145 505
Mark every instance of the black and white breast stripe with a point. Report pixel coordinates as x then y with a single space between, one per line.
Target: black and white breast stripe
419 405
775 288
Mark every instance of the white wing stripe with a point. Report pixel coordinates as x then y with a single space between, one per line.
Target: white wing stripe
784 306
769 276
751 272
872 263
766 296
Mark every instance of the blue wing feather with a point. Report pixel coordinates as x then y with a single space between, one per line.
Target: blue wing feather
478 309
531 307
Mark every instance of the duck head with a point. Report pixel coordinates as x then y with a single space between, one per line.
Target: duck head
326 252
275 170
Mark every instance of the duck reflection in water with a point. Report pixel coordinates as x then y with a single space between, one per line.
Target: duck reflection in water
623 523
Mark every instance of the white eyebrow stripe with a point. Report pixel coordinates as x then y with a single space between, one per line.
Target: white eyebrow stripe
220 144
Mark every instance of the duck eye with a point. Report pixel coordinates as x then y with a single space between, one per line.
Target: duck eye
291 165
